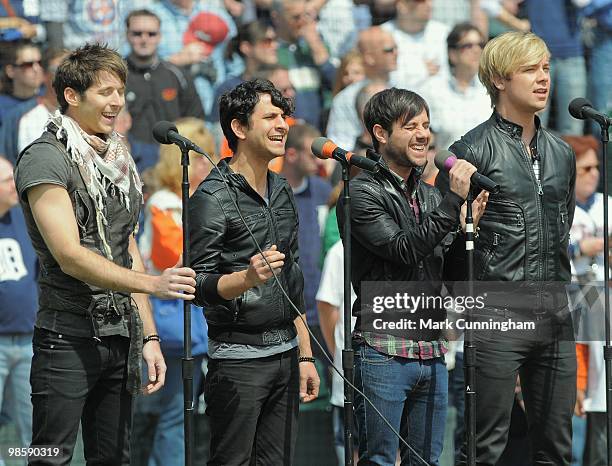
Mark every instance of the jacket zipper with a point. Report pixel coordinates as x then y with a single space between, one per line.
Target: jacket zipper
539 194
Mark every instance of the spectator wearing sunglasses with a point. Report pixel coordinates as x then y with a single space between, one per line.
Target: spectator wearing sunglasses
458 101
156 89
420 43
22 76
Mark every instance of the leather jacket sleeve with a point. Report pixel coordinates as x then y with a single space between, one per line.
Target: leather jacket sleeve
374 227
207 227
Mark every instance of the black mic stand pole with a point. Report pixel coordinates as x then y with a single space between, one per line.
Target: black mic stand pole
187 366
469 348
347 352
605 137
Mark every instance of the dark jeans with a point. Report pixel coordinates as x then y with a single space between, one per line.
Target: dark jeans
545 359
76 380
456 395
253 408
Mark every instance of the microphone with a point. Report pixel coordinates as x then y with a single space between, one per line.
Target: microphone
445 160
324 148
581 109
165 132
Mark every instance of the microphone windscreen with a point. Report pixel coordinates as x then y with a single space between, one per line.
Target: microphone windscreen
445 160
161 130
322 148
575 107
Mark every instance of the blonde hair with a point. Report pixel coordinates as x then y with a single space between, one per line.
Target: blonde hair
505 54
168 172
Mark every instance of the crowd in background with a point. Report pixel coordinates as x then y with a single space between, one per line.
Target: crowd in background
330 56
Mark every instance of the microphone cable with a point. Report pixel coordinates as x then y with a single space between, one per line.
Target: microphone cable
301 315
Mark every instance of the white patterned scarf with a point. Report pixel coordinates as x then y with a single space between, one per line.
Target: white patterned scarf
101 163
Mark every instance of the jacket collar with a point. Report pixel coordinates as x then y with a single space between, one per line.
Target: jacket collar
236 180
141 68
510 127
407 186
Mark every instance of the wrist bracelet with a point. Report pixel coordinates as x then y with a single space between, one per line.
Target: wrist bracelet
152 337
306 359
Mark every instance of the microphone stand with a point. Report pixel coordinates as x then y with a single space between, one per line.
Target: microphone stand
187 366
469 348
347 352
605 137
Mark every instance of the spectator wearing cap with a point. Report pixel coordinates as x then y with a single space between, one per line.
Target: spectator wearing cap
156 89
458 101
303 52
420 41
22 76
72 23
195 35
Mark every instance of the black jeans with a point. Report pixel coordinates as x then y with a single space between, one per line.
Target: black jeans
253 408
545 359
77 380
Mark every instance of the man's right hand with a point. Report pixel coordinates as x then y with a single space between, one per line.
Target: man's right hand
591 246
259 272
460 177
175 283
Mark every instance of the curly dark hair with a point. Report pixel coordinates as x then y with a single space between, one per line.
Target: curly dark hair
239 104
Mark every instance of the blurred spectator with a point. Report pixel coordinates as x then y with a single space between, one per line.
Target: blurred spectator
242 11
195 34
300 167
379 51
338 27
303 52
556 21
587 250
72 23
19 20
330 305
21 77
420 43
18 306
26 122
161 244
452 12
458 101
155 89
257 45
381 11
600 66
350 71
505 11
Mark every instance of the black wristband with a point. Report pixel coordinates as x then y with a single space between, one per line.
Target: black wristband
152 337
306 359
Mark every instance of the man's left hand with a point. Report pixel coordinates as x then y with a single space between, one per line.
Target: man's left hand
156 367
309 382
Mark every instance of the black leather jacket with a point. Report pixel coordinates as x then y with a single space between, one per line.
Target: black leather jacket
220 244
524 231
387 243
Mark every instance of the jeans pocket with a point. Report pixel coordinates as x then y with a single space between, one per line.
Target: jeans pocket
371 356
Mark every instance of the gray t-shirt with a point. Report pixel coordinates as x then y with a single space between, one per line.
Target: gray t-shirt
65 300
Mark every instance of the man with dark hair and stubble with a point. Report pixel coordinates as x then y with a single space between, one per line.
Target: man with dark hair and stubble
400 230
81 197
261 362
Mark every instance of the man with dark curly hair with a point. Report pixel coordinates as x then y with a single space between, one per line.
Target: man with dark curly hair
261 362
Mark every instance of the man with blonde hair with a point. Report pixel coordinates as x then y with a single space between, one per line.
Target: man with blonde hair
522 242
